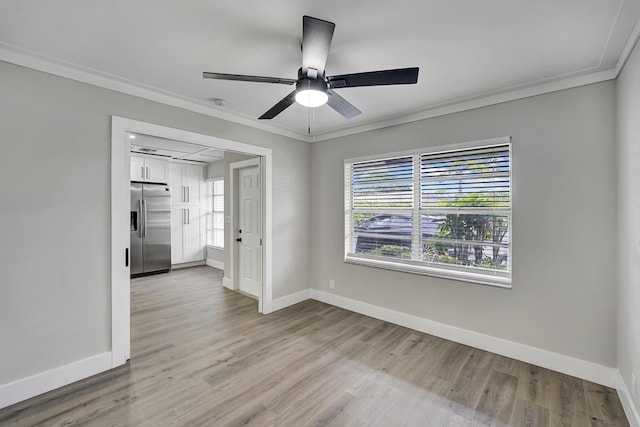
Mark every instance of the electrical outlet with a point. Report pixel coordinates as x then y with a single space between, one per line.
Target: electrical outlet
332 284
633 384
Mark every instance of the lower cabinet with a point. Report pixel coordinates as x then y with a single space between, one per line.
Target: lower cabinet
187 237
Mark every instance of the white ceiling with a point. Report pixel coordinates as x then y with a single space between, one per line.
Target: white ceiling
466 49
177 150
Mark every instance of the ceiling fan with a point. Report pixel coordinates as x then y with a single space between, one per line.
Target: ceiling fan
313 87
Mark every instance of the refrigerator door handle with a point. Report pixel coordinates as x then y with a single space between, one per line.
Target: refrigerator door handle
188 194
144 215
140 224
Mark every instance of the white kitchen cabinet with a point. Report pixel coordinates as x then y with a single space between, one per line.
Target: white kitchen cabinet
149 169
187 234
187 184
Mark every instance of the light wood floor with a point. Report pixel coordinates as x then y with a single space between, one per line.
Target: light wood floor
201 355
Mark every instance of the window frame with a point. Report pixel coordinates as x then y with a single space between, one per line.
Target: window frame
211 229
450 271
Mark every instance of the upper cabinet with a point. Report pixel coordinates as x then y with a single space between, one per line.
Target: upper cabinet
149 169
186 182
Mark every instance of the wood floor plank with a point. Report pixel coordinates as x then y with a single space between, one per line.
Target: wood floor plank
567 401
534 385
603 405
466 391
528 414
203 356
498 398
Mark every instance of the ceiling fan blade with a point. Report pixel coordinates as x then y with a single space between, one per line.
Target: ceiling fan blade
401 76
243 78
316 39
341 105
279 107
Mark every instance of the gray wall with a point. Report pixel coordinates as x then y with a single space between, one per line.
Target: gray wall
564 266
54 214
628 113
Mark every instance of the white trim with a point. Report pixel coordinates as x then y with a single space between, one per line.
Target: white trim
36 61
480 143
244 164
626 400
558 362
291 299
628 48
215 263
265 293
464 104
498 278
120 241
188 264
120 200
47 64
26 388
426 270
266 196
228 283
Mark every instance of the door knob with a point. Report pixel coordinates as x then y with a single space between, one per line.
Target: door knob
239 239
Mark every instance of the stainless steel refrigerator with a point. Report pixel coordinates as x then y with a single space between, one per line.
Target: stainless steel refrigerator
150 228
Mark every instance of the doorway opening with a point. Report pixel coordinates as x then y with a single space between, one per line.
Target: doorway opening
120 220
246 256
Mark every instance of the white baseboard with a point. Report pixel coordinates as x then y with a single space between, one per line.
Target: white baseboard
43 382
291 299
626 399
215 264
228 283
187 264
558 362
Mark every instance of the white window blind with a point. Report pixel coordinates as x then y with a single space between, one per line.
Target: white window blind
215 213
383 184
445 213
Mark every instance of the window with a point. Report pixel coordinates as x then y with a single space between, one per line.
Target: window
215 213
444 212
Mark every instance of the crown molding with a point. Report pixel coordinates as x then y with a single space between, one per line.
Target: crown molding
46 64
628 48
33 60
471 103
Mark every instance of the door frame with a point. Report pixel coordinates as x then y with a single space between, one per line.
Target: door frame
233 217
120 207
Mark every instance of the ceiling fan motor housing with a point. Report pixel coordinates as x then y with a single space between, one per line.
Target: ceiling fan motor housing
307 83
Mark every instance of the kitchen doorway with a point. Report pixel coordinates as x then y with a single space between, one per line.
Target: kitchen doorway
120 211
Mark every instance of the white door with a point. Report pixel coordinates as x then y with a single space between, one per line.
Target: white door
193 244
248 233
192 181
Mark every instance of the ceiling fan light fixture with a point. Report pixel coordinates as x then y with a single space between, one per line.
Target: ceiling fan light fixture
311 92
311 98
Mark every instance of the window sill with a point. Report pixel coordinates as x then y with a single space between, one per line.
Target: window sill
215 247
482 279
